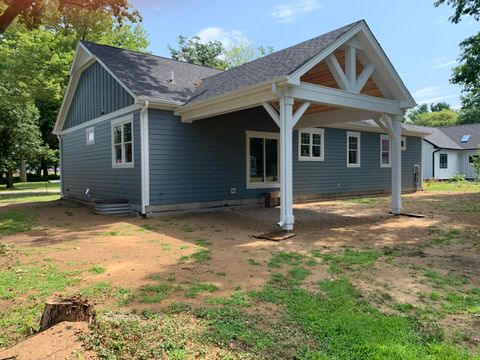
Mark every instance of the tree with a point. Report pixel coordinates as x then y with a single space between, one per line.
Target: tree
244 52
33 12
476 165
444 117
195 52
467 73
19 135
423 114
462 7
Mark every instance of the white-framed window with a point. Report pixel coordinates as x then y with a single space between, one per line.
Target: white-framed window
90 135
443 161
385 151
353 149
262 159
403 143
311 144
122 142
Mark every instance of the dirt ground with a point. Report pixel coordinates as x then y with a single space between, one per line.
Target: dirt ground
134 250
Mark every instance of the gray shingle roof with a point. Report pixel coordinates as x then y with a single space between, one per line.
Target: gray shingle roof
149 75
270 67
449 137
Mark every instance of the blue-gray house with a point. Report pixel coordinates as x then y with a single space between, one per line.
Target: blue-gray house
319 118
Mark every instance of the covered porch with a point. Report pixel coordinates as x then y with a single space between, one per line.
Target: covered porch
351 80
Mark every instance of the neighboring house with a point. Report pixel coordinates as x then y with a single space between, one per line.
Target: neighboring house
449 150
169 135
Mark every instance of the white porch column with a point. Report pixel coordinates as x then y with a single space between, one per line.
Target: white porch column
286 167
396 165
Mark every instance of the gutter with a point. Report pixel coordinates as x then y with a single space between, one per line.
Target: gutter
60 147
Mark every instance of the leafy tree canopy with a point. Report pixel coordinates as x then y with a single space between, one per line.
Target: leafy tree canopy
422 114
461 8
244 52
34 12
444 117
195 52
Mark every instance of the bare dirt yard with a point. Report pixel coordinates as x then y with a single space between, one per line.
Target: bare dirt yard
355 283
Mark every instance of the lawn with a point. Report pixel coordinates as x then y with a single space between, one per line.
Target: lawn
355 283
40 185
451 186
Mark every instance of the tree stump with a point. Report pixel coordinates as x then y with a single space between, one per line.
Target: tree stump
72 309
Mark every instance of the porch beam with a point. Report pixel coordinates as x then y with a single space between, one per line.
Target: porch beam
340 98
334 117
300 111
338 73
351 66
272 112
364 76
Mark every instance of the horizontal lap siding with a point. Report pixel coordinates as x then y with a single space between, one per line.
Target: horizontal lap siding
97 93
333 176
91 166
201 161
204 160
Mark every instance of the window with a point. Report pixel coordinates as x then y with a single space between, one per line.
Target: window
443 161
262 159
465 138
311 144
122 142
385 147
353 149
471 158
90 135
403 143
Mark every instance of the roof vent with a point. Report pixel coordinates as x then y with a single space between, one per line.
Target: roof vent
465 138
172 78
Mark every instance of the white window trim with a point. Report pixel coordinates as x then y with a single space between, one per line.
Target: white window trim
263 135
88 131
440 161
357 135
121 121
404 140
386 137
311 131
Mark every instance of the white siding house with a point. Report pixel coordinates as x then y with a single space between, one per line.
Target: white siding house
447 151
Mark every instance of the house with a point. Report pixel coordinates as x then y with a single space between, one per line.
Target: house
449 150
320 118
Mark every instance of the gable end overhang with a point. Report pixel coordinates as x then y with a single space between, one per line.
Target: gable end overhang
82 60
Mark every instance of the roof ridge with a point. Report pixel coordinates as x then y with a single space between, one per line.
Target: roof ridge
284 49
153 55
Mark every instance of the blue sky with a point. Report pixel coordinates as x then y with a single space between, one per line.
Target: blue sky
418 38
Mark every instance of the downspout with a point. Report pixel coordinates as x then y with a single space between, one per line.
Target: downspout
433 161
60 147
145 159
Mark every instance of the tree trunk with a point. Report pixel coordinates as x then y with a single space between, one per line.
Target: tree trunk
44 170
23 171
9 179
73 309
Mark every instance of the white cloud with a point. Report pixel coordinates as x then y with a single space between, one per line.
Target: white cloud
286 13
431 94
226 37
439 64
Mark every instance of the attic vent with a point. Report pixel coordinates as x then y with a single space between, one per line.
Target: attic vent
465 138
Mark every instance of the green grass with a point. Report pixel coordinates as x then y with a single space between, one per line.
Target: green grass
253 262
41 185
444 236
151 294
285 258
442 281
24 198
97 270
350 260
36 281
450 186
201 256
13 222
196 289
